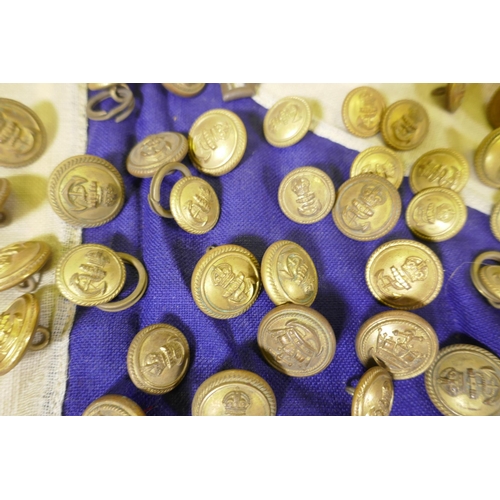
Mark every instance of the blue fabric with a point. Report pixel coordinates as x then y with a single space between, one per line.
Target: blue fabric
251 217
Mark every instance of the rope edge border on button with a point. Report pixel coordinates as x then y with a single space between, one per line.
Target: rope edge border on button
360 390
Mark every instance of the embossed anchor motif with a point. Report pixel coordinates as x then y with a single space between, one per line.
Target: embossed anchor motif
382 407
10 325
413 269
82 198
368 110
236 403
237 287
154 146
362 208
198 208
14 136
292 267
169 355
385 170
429 213
90 282
206 142
308 204
446 176
405 127
289 115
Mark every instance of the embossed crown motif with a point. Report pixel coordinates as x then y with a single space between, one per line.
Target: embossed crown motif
97 257
236 403
19 138
368 102
428 214
398 350
237 287
361 207
445 175
307 202
169 355
199 207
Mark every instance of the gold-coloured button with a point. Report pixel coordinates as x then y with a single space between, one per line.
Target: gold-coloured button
454 94
436 214
374 394
233 91
86 191
464 380
306 195
380 161
296 340
22 135
405 125
493 109
486 278
442 167
4 194
367 208
487 159
287 122
404 274
226 281
217 142
234 393
289 274
362 111
154 152
490 278
400 341
113 405
495 221
158 358
184 89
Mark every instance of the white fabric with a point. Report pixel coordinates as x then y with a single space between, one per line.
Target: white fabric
36 386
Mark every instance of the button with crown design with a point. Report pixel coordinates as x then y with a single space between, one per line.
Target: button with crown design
362 111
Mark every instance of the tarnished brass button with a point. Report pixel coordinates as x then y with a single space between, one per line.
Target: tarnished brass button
232 91
400 341
362 111
287 122
495 221
380 161
22 135
154 152
405 125
226 281
367 208
289 274
454 94
436 214
158 358
404 274
4 194
184 89
493 109
217 142
442 167
374 394
234 393
113 405
306 195
464 380
486 278
487 159
86 191
296 340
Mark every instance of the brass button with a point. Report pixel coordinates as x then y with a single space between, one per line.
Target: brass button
232 91
154 152
493 109
226 281
400 341
454 94
380 161
4 194
486 278
289 274
184 89
362 111
234 393
367 208
22 135
113 405
487 159
306 195
495 221
86 191
287 122
296 340
404 274
158 359
436 214
464 380
442 167
405 125
374 394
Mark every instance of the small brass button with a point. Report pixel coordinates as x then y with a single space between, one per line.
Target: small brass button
289 274
86 191
184 89
400 341
217 142
464 380
234 393
367 208
113 405
306 195
287 122
495 221
226 281
487 159
486 278
493 109
362 111
436 214
405 125
454 94
4 194
158 359
404 274
296 340
22 135
374 394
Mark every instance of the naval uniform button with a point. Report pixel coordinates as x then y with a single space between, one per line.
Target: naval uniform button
234 393
296 340
464 380
453 93
495 221
493 109
184 89
486 278
404 274
217 142
4 194
400 341
362 111
487 159
113 405
287 122
86 191
367 208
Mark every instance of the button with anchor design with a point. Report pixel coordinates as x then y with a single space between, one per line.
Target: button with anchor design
362 111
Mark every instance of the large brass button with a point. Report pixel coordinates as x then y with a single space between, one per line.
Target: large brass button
22 134
86 191
289 274
374 394
362 111
4 194
400 341
367 208
184 89
487 159
404 274
234 393
493 109
226 281
464 380
296 340
113 405
486 278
